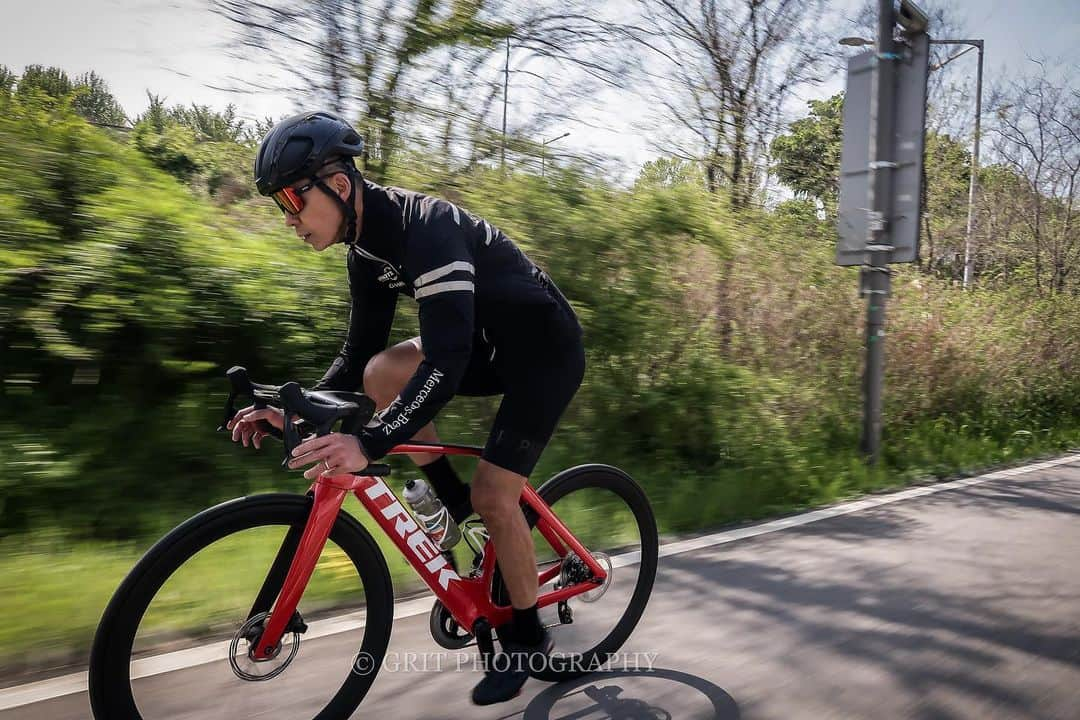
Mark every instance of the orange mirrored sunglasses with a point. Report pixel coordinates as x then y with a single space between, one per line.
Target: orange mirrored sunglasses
290 200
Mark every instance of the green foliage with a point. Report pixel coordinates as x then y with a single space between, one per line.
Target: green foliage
123 297
210 125
95 103
172 148
50 81
88 94
7 81
668 172
807 159
722 348
208 150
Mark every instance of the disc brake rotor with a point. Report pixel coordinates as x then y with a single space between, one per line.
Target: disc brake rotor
574 570
242 649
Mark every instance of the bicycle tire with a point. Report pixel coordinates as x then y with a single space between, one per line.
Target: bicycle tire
110 689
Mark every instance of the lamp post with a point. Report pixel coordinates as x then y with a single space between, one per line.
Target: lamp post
543 151
973 185
969 260
506 89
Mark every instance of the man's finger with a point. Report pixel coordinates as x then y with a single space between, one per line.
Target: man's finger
316 443
307 459
256 415
238 416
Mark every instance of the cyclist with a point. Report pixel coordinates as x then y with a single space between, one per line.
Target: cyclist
491 322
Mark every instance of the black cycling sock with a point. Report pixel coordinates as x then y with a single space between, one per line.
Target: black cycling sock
527 629
448 486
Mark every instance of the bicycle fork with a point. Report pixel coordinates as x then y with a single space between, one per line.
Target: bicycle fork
304 549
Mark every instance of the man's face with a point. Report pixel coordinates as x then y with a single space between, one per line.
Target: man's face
319 223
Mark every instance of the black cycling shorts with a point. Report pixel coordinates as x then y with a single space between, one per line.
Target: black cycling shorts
537 368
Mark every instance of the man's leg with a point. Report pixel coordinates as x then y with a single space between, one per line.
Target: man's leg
496 494
385 377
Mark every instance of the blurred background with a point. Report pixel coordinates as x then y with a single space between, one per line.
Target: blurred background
673 165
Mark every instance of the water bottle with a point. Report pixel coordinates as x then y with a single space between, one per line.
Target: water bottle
430 511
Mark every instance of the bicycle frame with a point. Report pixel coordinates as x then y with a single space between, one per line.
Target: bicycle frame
468 599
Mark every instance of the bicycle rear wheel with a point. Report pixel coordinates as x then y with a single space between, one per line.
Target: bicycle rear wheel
172 640
610 514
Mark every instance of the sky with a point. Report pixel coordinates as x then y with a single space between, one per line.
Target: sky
178 49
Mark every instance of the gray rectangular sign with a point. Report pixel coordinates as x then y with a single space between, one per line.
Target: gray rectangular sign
907 153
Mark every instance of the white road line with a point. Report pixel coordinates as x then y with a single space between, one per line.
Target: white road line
168 662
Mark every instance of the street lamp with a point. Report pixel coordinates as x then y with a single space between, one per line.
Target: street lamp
974 182
506 89
543 151
969 261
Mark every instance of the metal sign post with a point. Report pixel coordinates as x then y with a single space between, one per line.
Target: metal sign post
878 245
881 180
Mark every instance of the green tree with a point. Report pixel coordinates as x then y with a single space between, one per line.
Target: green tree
947 170
89 93
364 49
807 159
7 81
51 81
96 103
670 172
206 148
209 124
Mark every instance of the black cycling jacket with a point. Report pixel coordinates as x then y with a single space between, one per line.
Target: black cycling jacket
466 276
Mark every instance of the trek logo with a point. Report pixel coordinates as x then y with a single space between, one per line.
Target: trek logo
408 410
391 278
430 557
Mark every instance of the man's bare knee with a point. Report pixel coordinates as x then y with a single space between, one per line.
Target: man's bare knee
496 494
387 373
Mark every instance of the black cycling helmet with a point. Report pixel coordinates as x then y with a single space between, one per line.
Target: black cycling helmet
297 147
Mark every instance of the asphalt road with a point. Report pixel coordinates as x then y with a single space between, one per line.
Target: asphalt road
963 603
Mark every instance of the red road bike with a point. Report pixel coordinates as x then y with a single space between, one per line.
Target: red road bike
272 570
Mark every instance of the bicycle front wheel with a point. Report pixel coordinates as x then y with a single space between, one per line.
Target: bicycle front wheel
173 640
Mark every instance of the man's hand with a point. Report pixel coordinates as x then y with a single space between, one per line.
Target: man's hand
247 425
334 454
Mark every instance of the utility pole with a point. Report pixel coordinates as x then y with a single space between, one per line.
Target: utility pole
506 87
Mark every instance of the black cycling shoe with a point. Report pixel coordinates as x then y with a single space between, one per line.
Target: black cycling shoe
510 669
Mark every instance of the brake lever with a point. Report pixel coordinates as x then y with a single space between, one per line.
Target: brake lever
230 412
291 438
265 426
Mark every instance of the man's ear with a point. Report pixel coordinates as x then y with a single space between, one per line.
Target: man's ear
341 185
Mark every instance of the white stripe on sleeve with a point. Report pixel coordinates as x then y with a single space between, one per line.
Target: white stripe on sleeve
445 287
444 270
